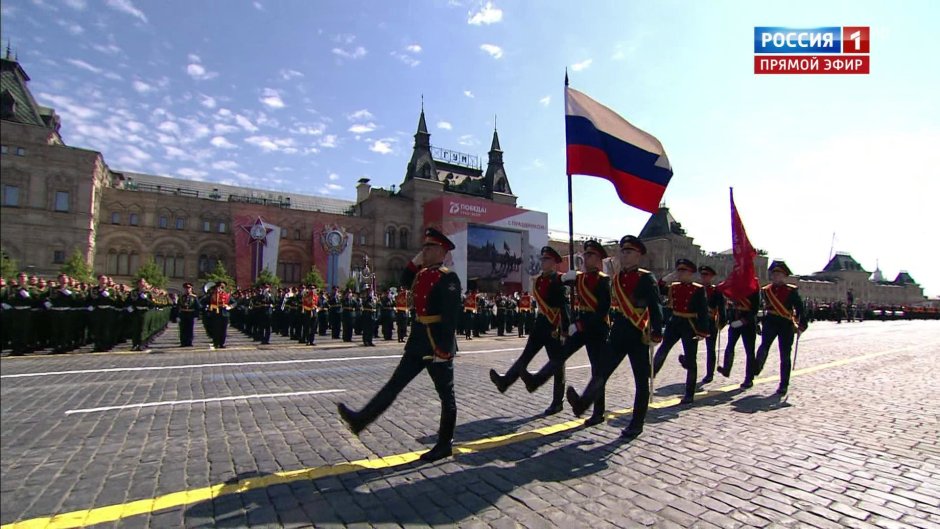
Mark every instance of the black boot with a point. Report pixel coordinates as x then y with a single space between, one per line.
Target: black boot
632 432
577 406
440 451
498 380
553 408
351 418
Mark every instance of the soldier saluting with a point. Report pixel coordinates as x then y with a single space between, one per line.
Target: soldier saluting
590 326
784 318
638 320
549 293
431 344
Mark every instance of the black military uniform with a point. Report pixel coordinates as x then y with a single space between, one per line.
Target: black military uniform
336 313
139 302
349 316
743 326
688 321
590 329
323 314
783 318
262 305
716 321
637 322
387 317
502 306
431 345
368 319
553 319
188 307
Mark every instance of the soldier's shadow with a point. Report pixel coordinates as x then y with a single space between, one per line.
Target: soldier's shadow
759 403
416 493
669 390
483 428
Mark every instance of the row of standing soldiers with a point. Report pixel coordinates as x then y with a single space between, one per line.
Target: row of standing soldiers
482 313
64 314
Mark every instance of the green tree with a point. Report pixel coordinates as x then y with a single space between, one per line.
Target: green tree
314 278
350 284
78 268
7 265
265 276
152 273
219 273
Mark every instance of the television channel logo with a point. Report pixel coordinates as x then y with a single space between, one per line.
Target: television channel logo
819 50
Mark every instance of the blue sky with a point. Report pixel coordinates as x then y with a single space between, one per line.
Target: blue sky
311 96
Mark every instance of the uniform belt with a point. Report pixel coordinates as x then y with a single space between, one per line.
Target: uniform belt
61 308
689 315
350 309
187 310
368 310
21 307
435 318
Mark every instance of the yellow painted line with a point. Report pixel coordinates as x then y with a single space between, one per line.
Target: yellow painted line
111 513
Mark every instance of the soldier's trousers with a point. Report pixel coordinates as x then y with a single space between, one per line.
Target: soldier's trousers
401 321
625 340
335 324
776 328
219 326
137 327
104 320
264 326
680 329
747 333
187 320
596 349
711 355
348 324
541 338
368 328
468 323
308 333
387 321
410 365
323 321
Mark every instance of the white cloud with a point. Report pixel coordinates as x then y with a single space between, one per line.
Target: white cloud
188 172
414 48
245 123
495 51
407 59
271 98
207 101
109 49
328 141
193 58
224 128
169 127
383 146
357 53
359 115
199 72
468 140
545 101
264 142
221 143
468 93
258 6
329 188
578 66
288 74
333 177
444 125
68 108
224 112
142 87
224 165
175 153
76 4
345 38
488 14
362 128
315 129
84 65
71 27
126 6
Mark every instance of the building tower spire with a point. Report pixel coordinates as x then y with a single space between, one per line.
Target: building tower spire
421 164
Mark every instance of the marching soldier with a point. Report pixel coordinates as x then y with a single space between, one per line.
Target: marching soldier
218 312
59 300
349 316
308 310
388 314
336 312
784 318
401 313
368 318
549 292
589 329
525 313
501 307
22 300
138 304
688 321
431 344
637 324
106 302
716 320
188 307
263 305
469 311
744 326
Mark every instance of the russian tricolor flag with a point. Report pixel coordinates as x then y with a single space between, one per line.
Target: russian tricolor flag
601 143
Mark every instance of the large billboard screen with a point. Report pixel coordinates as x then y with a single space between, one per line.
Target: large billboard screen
494 254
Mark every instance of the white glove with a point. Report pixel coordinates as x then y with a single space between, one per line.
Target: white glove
47 304
6 307
570 275
106 294
418 260
24 293
130 309
572 329
737 323
89 309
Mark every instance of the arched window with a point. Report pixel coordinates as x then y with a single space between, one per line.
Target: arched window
390 237
112 263
133 219
123 264
362 237
403 239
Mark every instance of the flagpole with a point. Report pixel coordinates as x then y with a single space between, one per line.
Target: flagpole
570 221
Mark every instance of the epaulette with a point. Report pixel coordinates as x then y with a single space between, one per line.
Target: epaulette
674 283
602 274
642 271
699 285
791 285
444 269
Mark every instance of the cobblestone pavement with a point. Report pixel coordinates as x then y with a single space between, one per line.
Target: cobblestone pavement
249 436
